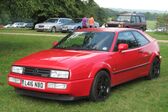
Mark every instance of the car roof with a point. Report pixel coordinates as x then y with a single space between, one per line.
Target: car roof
59 18
105 29
130 14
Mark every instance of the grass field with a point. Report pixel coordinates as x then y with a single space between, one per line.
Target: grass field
136 96
151 25
159 35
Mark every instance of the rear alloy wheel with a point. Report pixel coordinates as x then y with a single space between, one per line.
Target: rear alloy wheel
53 29
155 69
101 87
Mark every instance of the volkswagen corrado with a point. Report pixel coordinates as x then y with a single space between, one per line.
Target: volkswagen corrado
87 63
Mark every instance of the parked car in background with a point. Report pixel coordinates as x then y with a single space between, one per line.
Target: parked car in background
53 24
77 25
87 63
161 29
8 26
18 25
29 25
129 20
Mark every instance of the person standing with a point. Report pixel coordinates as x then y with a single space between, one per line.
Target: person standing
84 22
91 22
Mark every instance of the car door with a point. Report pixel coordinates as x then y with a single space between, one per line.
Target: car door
127 62
60 24
144 49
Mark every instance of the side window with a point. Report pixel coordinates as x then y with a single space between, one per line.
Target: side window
137 19
140 38
61 20
133 19
126 38
143 19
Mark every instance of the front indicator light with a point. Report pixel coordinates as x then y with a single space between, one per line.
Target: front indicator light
14 80
57 85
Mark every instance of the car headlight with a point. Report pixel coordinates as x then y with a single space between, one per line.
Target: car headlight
17 69
59 74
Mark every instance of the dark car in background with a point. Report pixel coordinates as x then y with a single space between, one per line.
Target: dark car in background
129 20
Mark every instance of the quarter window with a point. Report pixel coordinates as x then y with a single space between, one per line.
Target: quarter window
140 38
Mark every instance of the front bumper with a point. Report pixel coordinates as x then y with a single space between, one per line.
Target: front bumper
43 29
68 30
76 88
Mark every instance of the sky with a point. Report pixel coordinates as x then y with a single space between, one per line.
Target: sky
161 5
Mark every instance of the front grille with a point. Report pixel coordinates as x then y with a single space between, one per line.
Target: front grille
36 72
41 26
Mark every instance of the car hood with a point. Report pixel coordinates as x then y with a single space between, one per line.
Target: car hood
116 22
57 59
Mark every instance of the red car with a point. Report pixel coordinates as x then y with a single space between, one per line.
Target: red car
87 63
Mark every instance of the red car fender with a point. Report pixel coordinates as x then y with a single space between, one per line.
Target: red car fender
156 54
98 67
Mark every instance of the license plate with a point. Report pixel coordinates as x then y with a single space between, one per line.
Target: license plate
33 84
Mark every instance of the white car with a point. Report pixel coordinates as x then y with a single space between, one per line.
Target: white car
18 25
77 25
161 29
53 24
8 26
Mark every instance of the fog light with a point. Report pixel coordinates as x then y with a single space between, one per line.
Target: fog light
14 80
57 85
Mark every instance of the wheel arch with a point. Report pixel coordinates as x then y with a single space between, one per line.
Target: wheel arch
155 55
100 67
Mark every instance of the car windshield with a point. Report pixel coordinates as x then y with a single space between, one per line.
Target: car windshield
124 18
77 20
100 41
51 20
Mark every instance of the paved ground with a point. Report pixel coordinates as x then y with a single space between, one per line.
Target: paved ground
163 41
56 35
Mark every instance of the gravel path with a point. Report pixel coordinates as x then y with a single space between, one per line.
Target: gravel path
54 35
31 34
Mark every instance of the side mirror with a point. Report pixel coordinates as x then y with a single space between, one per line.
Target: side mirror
122 47
55 43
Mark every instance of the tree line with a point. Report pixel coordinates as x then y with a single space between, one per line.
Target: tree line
40 10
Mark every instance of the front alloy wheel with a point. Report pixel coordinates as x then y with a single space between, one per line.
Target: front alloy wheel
53 29
101 87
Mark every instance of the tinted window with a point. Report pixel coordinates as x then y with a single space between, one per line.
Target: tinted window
143 19
126 38
124 18
133 19
138 19
87 41
62 20
140 38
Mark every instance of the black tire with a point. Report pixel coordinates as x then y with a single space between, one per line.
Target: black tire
53 29
154 70
78 28
101 87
